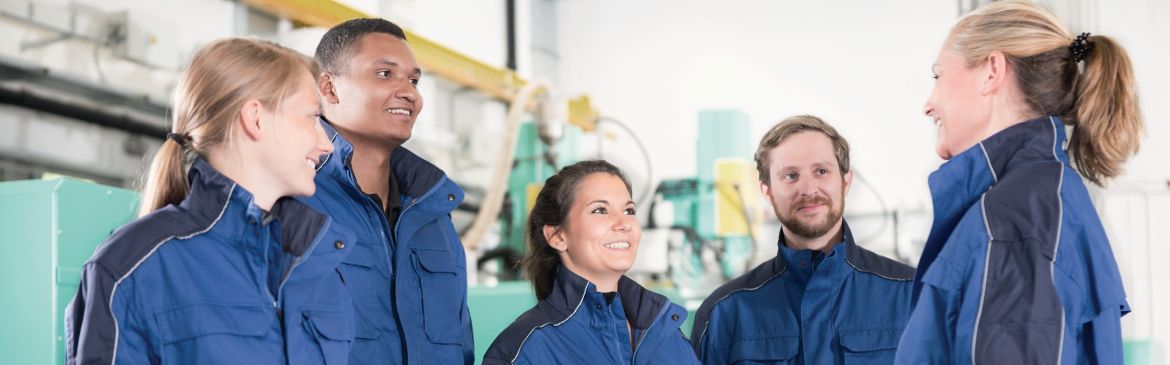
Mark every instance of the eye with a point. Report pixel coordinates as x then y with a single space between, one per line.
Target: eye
383 74
631 211
790 176
600 210
822 171
414 82
934 76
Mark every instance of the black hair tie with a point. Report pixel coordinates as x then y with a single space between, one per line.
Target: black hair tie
182 139
1081 47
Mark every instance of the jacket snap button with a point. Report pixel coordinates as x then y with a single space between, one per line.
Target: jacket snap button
674 316
339 244
598 306
450 197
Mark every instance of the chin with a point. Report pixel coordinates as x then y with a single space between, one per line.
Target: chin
306 190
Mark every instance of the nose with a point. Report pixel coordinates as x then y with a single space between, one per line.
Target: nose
324 145
625 223
807 187
928 110
408 91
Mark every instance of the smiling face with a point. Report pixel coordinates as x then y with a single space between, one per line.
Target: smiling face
958 108
377 98
806 187
292 152
600 235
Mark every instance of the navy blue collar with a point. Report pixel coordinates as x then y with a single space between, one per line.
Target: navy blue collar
958 183
641 306
856 256
212 193
414 175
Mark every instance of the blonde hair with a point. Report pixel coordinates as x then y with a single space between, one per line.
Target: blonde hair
222 77
1100 102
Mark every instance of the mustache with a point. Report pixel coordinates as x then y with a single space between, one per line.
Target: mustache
819 199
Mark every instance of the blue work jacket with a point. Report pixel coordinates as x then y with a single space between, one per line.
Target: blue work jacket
409 283
578 325
846 306
215 280
1017 268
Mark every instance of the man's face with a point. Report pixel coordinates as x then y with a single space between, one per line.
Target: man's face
376 98
806 188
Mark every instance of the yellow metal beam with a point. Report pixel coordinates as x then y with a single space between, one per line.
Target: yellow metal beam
501 84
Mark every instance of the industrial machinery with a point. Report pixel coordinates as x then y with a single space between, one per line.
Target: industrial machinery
50 228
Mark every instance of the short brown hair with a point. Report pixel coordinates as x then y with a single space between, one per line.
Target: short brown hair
793 125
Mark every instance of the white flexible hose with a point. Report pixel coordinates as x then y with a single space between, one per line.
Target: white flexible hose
493 201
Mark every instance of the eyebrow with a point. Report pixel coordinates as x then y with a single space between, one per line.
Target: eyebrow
814 164
383 61
606 202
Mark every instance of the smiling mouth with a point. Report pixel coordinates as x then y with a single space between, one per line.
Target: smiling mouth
622 245
311 163
400 111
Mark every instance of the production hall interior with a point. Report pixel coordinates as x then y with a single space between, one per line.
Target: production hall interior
584 182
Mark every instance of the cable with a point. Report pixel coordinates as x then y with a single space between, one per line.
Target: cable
489 209
641 147
885 209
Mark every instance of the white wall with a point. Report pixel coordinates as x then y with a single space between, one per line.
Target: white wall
862 65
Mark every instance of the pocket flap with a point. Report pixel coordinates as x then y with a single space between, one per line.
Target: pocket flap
870 339
437 261
778 348
211 319
337 326
362 255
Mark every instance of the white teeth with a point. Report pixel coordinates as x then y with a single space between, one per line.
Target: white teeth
399 111
618 245
938 122
312 165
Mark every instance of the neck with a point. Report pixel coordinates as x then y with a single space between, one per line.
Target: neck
264 195
604 282
371 164
1008 109
824 243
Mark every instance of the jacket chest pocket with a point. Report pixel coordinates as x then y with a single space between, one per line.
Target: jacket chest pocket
773 351
333 332
369 288
442 290
869 346
218 333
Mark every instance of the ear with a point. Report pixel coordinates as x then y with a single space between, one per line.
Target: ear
249 118
325 85
766 190
848 181
997 73
555 238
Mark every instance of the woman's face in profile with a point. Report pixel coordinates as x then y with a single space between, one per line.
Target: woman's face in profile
600 234
957 106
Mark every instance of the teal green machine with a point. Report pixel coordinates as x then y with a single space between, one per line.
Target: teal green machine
716 207
494 307
49 228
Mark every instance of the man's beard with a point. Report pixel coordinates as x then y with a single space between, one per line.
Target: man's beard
811 229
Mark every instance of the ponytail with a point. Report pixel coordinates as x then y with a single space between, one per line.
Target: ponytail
1108 123
166 182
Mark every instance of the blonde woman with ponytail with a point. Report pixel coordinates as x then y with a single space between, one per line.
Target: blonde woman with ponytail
223 266
1017 268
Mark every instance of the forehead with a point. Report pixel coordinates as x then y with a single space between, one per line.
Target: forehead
802 149
375 47
601 186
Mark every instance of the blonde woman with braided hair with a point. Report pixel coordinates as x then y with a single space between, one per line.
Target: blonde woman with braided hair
1017 268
